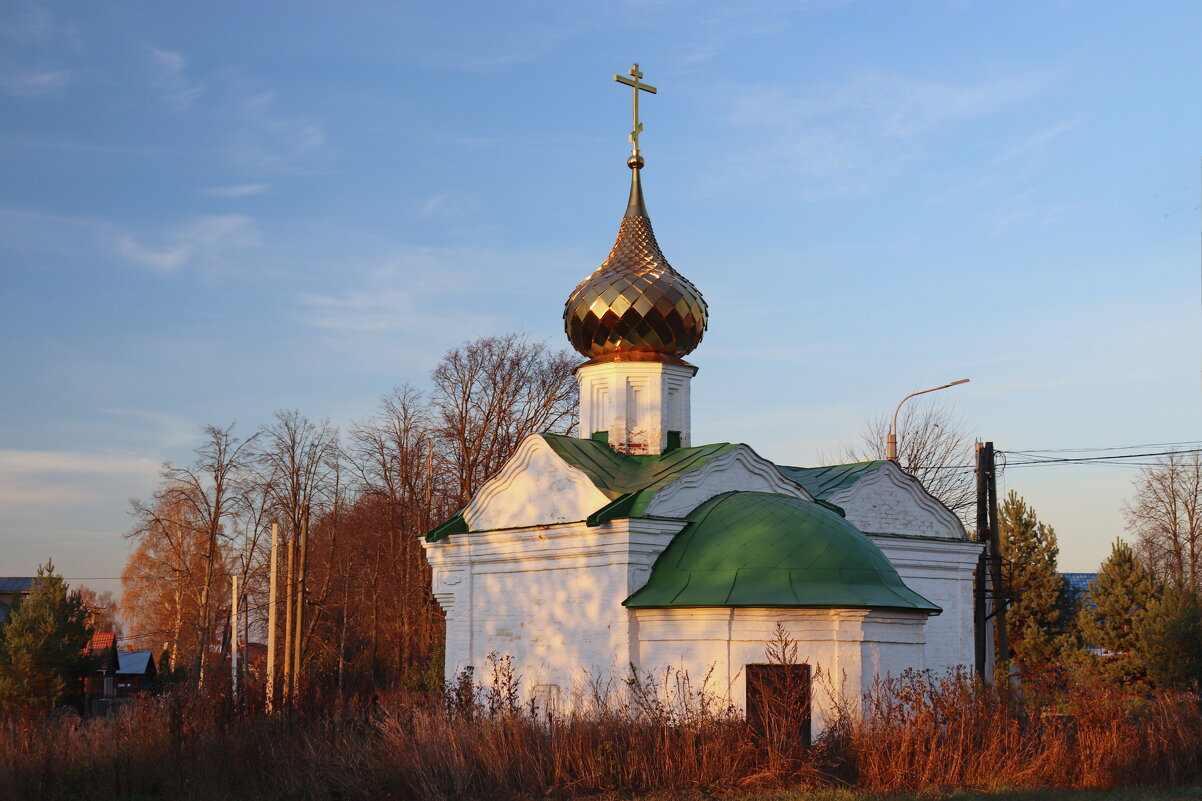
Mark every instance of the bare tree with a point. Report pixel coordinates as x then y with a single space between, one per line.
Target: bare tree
932 445
490 394
1165 514
393 453
210 490
299 460
370 616
402 495
104 613
163 579
298 457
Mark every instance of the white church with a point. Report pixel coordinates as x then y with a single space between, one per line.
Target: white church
630 547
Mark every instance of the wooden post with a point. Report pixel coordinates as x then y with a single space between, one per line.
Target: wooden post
1001 635
980 594
275 544
234 635
288 593
298 618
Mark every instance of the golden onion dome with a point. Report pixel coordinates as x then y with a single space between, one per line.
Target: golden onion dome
635 307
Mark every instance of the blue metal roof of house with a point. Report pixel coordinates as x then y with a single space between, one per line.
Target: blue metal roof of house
134 663
1078 586
17 583
1079 582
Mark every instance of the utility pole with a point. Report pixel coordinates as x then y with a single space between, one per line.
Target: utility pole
288 595
275 544
300 602
980 594
234 635
1001 634
989 584
980 597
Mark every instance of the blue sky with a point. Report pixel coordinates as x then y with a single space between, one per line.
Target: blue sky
212 211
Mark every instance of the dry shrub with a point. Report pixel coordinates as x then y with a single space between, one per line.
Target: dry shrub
660 734
653 734
922 732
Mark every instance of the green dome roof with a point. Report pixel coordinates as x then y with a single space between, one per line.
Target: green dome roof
760 549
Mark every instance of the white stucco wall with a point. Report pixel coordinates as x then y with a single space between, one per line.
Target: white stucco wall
740 469
942 572
638 403
890 501
548 596
848 649
534 488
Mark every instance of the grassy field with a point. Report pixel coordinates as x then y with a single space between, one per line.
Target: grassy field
1120 794
921 738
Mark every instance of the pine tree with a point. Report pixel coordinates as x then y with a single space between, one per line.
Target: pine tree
1035 617
41 649
1120 594
1169 638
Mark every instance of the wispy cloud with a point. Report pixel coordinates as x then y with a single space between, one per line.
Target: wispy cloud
32 83
882 104
1038 141
50 142
1014 185
422 289
237 190
160 259
29 65
853 132
169 429
208 240
432 206
448 204
26 23
55 478
380 325
362 310
1021 208
273 140
169 73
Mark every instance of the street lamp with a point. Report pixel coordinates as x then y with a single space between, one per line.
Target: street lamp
891 443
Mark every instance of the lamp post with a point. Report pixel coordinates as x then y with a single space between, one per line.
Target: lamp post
891 443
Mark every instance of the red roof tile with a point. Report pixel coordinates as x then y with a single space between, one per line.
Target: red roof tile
101 641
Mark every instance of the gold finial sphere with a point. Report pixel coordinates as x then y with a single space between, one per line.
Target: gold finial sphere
635 162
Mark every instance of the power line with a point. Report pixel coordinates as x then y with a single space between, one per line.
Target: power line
1193 443
1124 458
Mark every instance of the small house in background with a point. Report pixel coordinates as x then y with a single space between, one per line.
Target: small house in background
255 654
12 589
100 683
136 673
1078 586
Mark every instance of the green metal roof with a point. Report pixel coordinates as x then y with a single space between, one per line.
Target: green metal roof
456 525
822 482
758 549
629 481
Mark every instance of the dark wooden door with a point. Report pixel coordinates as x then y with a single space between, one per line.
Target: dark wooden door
778 703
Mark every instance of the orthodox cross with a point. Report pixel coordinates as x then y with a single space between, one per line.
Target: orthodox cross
635 84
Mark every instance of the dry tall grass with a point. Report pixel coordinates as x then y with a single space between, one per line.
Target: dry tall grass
921 732
915 733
